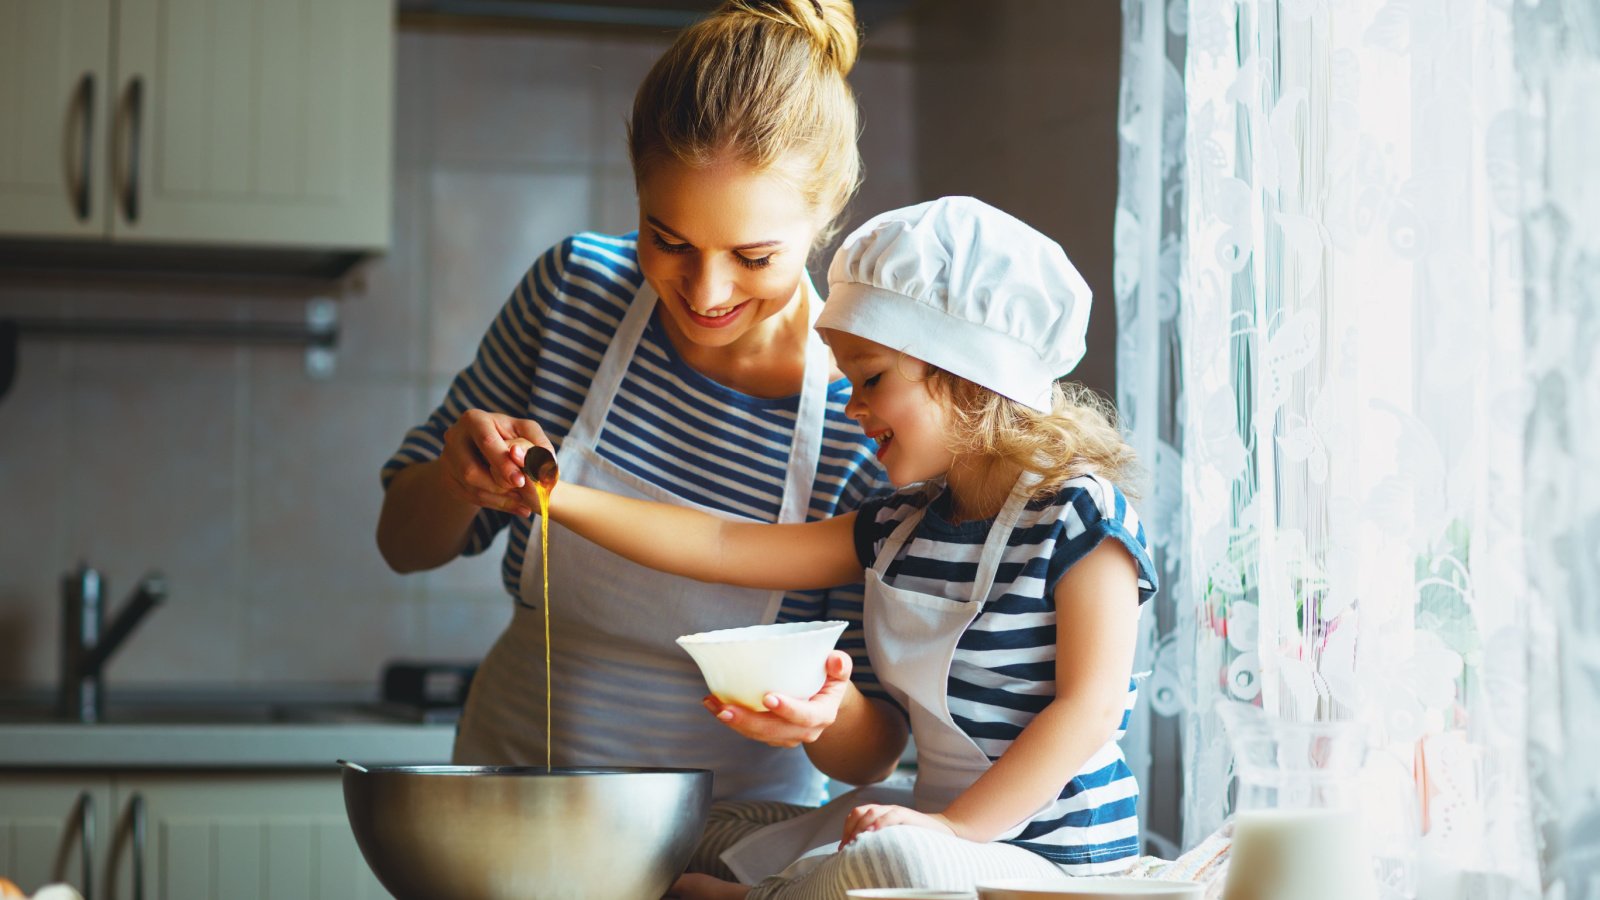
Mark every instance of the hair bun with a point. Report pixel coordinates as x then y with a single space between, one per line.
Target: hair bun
830 23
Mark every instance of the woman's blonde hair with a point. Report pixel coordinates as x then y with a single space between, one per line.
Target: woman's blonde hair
1078 436
765 81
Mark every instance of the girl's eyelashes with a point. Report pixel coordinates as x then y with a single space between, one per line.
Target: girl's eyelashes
869 382
666 246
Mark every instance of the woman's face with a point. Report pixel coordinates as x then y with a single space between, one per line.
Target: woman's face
724 246
891 399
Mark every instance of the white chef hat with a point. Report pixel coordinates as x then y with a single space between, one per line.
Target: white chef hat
959 284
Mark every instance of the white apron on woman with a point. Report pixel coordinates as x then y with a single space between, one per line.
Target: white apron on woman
911 639
624 693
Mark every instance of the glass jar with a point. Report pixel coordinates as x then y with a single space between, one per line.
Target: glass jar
1297 824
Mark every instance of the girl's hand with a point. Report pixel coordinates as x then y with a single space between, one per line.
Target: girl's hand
482 460
789 722
876 816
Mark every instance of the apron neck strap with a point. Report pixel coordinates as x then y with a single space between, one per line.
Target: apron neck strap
591 418
810 417
994 545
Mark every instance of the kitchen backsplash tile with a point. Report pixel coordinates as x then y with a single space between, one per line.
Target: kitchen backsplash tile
382 320
617 203
413 99
619 64
487 228
512 99
40 453
324 635
462 624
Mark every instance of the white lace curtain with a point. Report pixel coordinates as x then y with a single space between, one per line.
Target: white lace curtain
1358 287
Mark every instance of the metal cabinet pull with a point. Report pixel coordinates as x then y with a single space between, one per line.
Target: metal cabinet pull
86 145
85 816
130 194
136 810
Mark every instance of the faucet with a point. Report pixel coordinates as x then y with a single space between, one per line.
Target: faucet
84 649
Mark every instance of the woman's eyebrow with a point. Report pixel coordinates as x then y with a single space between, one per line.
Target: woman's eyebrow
756 245
662 226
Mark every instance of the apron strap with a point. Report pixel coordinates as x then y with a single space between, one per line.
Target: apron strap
585 430
902 532
994 547
810 417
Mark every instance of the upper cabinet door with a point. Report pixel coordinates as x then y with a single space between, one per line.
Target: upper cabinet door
55 93
253 122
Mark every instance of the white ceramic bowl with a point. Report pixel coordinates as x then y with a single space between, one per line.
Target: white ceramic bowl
908 894
1091 888
743 665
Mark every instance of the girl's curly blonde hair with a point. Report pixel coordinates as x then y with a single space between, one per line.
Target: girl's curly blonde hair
1077 437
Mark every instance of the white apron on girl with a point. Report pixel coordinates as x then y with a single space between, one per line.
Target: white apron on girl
624 694
911 638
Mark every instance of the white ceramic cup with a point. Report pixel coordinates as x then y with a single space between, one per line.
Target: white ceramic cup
1091 888
743 665
907 894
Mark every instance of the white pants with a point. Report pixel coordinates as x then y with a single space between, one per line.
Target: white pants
728 823
902 856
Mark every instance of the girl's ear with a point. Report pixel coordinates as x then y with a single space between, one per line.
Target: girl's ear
913 369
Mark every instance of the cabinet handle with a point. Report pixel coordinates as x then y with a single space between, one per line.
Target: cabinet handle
85 811
136 810
85 148
130 194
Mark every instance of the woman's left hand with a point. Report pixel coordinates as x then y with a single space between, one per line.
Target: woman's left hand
876 816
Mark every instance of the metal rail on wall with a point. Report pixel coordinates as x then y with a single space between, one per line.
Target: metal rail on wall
319 334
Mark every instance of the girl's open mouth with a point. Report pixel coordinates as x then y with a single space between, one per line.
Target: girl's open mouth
882 438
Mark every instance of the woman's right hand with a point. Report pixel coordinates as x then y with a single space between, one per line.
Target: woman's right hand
789 722
482 460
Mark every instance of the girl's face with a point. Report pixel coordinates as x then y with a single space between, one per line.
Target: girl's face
724 246
891 399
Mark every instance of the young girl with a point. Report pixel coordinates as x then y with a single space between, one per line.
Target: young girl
999 616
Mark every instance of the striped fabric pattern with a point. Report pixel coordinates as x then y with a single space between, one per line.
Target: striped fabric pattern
669 424
905 856
1003 671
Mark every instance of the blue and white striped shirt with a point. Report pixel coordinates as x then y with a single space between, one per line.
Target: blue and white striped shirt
669 424
1003 672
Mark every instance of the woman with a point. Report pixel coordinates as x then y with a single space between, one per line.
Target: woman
678 364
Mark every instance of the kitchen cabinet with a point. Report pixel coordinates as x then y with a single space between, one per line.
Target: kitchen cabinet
233 123
49 826
188 835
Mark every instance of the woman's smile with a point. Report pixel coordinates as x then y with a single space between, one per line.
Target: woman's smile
720 317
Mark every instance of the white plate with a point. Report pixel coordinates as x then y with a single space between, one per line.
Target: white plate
1089 888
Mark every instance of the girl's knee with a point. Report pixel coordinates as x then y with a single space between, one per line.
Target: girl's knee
896 840
897 856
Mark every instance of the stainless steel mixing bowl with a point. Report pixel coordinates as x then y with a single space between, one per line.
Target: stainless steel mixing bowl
504 832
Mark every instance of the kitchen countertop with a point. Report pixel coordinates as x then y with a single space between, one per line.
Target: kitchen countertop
223 729
223 746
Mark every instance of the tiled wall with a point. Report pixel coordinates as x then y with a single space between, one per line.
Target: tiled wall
253 487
